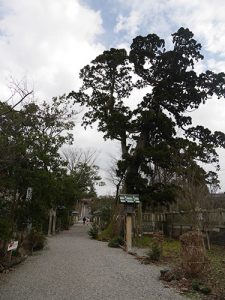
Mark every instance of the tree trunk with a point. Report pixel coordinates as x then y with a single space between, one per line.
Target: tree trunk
133 168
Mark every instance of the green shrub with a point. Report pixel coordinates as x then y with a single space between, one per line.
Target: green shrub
105 215
116 242
5 230
93 232
196 285
65 222
205 290
142 242
155 252
37 240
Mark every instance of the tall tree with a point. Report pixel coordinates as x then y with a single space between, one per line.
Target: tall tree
148 135
30 139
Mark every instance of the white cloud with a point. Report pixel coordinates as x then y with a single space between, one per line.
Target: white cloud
48 41
146 15
204 17
105 151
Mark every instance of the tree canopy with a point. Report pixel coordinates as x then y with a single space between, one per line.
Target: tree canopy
153 153
30 142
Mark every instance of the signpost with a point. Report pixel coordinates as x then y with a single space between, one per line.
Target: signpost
11 246
29 193
127 198
129 202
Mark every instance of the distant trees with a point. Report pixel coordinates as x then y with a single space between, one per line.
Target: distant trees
153 153
82 170
102 208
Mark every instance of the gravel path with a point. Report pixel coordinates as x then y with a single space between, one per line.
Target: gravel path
76 267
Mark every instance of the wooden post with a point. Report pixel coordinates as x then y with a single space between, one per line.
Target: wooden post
129 232
54 222
134 227
141 219
50 222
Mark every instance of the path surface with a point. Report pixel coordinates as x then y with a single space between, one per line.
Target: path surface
76 267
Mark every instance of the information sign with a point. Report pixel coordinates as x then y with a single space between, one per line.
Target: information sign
129 198
12 245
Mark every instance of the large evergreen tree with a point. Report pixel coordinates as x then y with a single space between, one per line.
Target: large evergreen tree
152 151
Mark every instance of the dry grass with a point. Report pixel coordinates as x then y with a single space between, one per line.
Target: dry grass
213 276
193 253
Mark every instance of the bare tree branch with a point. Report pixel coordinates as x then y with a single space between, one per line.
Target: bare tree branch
12 107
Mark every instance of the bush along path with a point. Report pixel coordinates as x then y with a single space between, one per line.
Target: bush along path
75 267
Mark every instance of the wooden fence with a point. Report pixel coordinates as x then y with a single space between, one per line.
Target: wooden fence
174 224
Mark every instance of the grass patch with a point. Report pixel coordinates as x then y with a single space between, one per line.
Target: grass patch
106 234
212 279
170 247
142 242
216 273
193 295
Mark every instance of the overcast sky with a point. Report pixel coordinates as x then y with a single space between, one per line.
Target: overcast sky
49 41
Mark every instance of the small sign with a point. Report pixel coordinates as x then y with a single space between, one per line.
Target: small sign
128 198
12 245
29 194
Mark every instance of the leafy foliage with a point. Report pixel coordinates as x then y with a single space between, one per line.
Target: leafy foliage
37 240
155 252
82 171
93 232
5 232
30 143
153 153
102 207
116 242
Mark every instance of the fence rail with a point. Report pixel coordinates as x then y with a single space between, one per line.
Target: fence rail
174 224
